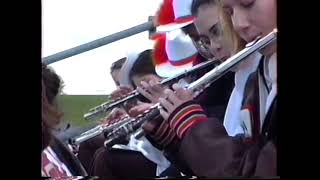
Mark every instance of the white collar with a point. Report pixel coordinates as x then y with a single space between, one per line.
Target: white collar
270 69
270 74
232 121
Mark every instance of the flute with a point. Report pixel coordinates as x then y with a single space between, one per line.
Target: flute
97 131
131 127
98 110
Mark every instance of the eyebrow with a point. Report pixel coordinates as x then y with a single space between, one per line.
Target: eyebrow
202 36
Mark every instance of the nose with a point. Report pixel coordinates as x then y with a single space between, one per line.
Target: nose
240 21
215 47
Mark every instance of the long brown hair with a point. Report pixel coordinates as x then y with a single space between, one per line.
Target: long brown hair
229 34
50 115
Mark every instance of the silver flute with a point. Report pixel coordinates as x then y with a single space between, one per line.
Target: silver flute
134 126
98 110
98 130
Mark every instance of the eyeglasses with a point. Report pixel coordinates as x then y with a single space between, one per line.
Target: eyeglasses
203 47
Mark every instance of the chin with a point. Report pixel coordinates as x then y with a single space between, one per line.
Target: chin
223 56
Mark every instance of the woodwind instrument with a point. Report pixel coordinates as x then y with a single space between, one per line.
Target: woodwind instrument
134 125
100 129
98 110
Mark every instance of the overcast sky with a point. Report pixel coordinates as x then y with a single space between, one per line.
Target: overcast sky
68 23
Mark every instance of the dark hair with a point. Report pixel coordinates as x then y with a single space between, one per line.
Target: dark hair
50 115
118 64
144 64
191 31
197 3
52 83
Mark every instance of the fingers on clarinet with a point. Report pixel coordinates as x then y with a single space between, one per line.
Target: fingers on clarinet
129 88
155 86
176 86
135 111
184 93
164 114
112 114
145 93
166 104
196 93
118 114
117 110
139 102
168 91
171 96
152 83
140 90
115 94
144 84
179 90
124 87
132 112
144 88
122 91
148 127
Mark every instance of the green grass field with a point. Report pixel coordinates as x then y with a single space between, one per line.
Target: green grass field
75 106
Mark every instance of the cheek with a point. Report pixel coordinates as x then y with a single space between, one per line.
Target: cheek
136 81
199 26
227 46
116 76
272 14
265 16
155 79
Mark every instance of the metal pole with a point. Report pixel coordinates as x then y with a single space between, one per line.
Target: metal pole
97 43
